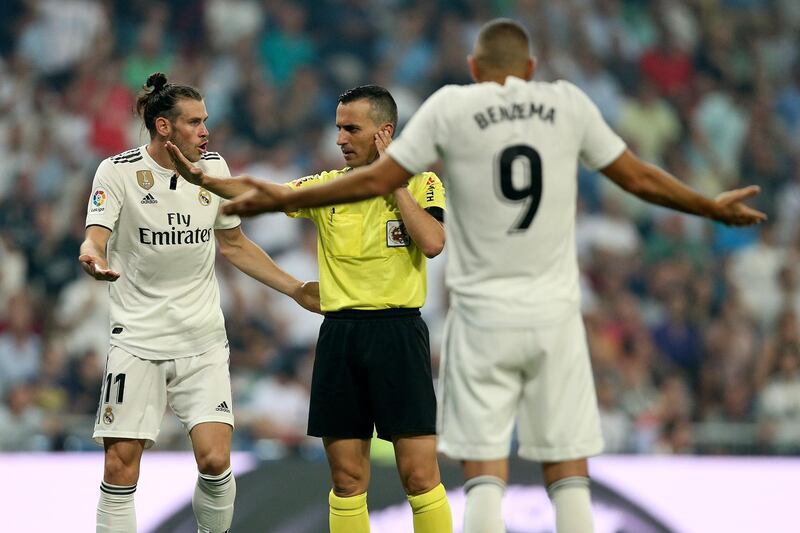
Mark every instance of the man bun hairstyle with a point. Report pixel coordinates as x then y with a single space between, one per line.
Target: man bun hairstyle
158 99
383 108
157 80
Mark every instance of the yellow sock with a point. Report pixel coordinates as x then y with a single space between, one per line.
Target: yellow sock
348 515
432 511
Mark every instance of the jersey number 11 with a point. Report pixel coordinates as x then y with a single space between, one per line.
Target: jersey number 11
119 381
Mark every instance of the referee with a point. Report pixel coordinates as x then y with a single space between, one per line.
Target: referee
372 366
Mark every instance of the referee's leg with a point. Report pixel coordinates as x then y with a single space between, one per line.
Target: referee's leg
348 459
419 473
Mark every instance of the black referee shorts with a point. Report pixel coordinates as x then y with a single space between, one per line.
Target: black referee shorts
372 368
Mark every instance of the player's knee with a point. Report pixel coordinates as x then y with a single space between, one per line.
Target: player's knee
213 461
419 479
349 482
119 470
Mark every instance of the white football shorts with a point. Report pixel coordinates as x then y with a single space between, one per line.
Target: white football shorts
136 391
540 378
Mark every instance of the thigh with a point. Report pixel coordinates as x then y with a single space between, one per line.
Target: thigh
200 388
339 405
480 381
398 358
558 417
132 399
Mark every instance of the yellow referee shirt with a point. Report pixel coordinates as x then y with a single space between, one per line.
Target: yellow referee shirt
366 258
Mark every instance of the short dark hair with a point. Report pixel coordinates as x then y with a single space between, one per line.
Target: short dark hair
158 99
502 44
383 106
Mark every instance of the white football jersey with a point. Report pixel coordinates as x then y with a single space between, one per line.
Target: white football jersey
165 305
511 157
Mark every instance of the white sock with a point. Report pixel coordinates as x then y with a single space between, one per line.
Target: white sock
213 502
483 511
115 510
573 505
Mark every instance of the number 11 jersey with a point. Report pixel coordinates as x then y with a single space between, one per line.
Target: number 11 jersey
511 156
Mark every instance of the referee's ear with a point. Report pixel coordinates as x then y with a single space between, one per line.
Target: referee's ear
388 128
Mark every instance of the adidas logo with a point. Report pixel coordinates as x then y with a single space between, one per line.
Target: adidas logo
223 407
149 199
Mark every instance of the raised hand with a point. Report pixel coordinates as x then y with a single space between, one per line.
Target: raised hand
97 268
382 141
732 210
183 166
263 197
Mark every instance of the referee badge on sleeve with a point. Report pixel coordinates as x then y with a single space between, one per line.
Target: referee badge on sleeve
396 234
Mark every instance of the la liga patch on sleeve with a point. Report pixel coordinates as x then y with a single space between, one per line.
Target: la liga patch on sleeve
98 201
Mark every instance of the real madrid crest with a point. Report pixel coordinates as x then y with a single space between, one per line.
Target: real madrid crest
204 196
145 179
108 416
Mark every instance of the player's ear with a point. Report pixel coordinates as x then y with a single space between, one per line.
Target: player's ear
388 128
473 68
530 68
163 126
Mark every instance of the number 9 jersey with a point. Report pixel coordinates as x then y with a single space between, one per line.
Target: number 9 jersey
511 156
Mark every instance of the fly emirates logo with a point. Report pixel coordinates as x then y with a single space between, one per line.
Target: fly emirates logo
179 232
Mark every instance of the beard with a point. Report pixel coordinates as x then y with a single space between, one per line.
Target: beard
189 152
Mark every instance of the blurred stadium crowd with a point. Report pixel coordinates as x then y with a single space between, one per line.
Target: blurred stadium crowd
693 327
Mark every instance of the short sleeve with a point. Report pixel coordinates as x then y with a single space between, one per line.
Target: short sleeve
600 145
427 190
417 148
305 181
224 221
105 201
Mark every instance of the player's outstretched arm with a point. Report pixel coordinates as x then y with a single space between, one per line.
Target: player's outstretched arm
245 255
93 254
224 187
654 185
378 179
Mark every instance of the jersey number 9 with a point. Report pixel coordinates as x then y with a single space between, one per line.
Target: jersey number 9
530 193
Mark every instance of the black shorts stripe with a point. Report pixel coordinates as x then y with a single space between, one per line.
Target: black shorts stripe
105 371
